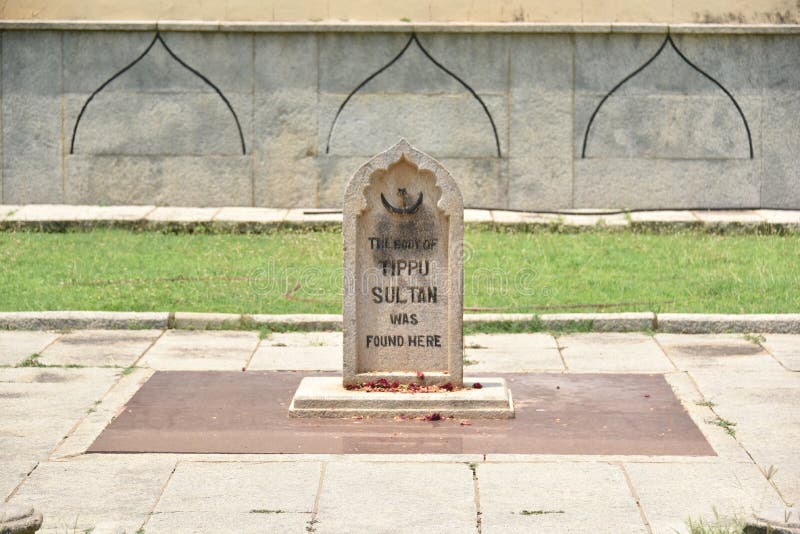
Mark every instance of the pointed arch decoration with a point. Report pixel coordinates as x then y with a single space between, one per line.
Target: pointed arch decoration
157 39
667 41
415 40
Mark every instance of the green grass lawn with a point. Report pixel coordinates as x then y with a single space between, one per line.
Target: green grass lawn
292 272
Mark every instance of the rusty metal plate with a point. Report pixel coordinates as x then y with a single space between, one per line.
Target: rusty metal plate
246 412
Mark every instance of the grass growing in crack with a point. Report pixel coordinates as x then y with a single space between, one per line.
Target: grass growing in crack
265 511
755 339
473 467
467 361
540 512
128 370
31 361
706 403
726 425
718 525
520 271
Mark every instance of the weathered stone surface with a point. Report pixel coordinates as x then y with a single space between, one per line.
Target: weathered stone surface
781 148
601 322
111 493
179 214
447 125
294 358
511 353
160 124
784 347
556 497
201 350
630 125
209 52
781 520
16 519
205 321
651 183
345 61
16 346
613 352
381 245
118 348
62 212
101 414
698 323
254 215
725 216
161 180
672 493
354 494
65 320
716 351
300 321
303 339
241 488
325 397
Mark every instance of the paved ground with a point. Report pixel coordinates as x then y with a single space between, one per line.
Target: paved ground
50 415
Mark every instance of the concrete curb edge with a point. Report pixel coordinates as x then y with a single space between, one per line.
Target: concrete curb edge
685 323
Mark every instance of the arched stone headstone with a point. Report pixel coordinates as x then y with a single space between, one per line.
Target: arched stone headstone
403 226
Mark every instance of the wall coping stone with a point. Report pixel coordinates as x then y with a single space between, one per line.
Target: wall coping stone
400 27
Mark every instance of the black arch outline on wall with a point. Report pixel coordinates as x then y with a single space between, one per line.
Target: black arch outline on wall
182 63
414 39
667 40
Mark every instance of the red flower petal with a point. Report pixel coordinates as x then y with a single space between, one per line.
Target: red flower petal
477 385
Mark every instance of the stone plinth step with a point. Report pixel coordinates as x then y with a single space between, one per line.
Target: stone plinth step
326 397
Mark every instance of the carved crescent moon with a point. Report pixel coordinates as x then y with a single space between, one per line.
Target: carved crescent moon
402 211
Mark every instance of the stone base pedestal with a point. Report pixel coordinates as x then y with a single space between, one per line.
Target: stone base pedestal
326 397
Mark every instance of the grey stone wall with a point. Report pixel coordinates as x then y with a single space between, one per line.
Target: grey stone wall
168 130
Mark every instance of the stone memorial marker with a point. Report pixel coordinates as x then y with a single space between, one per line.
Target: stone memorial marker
403 224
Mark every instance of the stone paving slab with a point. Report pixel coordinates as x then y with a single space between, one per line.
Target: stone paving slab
672 493
39 406
108 493
303 339
556 497
501 353
117 348
385 497
705 351
15 346
34 213
201 350
101 414
733 216
784 347
7 210
271 358
254 215
752 387
241 487
183 215
613 352
63 212
664 217
780 216
203 522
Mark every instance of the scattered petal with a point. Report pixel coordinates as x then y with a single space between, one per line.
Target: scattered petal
477 385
